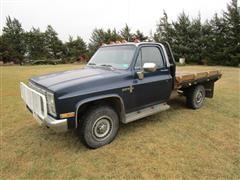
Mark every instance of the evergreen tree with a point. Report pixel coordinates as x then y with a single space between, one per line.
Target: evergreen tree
139 35
206 42
232 19
36 45
13 36
99 36
182 40
196 41
97 39
6 51
54 46
76 48
218 42
126 33
164 30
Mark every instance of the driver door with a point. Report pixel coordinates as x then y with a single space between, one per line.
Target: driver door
155 87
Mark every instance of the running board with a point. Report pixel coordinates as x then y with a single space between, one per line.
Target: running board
133 116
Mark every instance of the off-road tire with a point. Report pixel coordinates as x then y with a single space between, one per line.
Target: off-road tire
91 124
195 96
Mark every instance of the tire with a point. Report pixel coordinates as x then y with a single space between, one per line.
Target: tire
99 126
195 97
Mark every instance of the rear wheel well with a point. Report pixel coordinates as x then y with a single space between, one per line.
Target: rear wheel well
113 102
208 86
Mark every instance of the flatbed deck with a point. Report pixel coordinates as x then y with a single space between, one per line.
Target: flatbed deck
185 79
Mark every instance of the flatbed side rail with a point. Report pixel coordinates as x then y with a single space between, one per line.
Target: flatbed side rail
191 79
184 80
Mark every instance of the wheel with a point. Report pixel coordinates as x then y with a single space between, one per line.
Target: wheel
99 126
195 97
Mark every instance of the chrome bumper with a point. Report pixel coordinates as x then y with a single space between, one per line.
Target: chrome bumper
37 104
58 125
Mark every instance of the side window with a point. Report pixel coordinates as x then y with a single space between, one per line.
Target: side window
149 55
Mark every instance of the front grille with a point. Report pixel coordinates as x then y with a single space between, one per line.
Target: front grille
35 101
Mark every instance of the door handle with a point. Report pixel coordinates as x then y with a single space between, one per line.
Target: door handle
164 70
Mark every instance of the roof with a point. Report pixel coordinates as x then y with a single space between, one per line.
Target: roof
130 43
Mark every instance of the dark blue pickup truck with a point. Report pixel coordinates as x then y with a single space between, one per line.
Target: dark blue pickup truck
122 82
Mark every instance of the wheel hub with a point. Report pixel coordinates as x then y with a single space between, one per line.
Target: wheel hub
102 128
199 97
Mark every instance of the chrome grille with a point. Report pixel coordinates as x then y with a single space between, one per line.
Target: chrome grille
35 100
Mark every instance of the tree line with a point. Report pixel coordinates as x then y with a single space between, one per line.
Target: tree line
215 41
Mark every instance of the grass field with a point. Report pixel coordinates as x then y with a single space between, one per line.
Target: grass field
177 144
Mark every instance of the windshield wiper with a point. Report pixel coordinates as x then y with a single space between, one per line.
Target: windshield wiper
91 64
106 65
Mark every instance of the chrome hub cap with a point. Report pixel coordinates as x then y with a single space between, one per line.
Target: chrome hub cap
199 97
102 128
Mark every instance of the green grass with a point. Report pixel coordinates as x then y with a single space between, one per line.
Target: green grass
177 144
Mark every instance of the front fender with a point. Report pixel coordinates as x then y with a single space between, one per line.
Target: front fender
102 97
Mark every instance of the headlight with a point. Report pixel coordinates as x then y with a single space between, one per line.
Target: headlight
51 103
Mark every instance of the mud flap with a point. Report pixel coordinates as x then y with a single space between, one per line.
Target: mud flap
209 89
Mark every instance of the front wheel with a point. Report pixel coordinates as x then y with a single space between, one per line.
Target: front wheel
99 126
195 96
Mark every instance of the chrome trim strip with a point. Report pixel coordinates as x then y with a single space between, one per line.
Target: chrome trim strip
148 111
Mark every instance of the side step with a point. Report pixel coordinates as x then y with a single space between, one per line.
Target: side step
133 116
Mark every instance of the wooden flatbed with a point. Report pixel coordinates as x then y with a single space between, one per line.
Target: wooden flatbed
185 79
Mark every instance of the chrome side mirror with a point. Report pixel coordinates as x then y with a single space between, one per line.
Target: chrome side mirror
149 67
140 75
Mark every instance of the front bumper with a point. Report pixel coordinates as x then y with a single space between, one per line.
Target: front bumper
37 104
58 125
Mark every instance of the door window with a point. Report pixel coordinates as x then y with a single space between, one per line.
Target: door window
149 55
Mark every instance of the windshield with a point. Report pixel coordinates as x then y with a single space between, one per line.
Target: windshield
119 57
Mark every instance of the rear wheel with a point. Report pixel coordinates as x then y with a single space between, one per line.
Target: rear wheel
195 96
99 126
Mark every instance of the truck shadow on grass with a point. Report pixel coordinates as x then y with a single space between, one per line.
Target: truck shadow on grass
177 103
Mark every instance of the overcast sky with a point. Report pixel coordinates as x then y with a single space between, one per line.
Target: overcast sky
78 17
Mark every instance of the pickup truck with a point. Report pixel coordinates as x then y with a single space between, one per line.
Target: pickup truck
121 83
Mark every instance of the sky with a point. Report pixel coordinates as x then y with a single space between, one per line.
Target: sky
78 17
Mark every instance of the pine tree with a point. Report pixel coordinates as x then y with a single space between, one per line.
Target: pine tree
196 41
217 51
35 43
164 30
76 48
6 51
126 33
232 18
182 40
99 37
54 46
140 36
13 36
206 41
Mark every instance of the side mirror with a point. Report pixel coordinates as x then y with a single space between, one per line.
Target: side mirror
149 67
140 75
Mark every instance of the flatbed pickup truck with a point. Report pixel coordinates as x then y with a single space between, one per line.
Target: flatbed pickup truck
122 82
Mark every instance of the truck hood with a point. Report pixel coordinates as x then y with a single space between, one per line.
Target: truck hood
72 78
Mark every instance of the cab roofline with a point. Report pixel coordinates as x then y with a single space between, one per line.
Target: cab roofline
130 43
